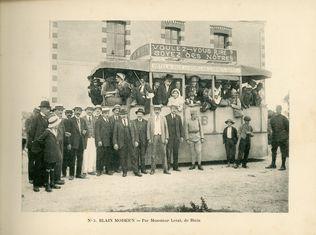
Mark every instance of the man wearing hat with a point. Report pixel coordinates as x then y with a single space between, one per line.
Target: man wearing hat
89 155
245 133
78 132
94 91
114 118
164 90
158 135
67 153
103 140
230 139
125 139
176 135
31 160
195 137
38 125
61 138
123 87
143 94
194 88
140 126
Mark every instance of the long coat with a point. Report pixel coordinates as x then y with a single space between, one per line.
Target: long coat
163 94
119 134
141 129
175 127
68 127
77 137
280 128
103 132
151 128
234 135
37 126
50 145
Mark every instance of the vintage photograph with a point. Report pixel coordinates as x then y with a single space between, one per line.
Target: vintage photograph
157 116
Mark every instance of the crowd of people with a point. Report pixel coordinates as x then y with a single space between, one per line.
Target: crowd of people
98 143
169 92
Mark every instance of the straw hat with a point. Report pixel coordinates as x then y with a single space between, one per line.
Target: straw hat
53 121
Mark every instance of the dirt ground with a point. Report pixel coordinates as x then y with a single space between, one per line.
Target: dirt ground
254 189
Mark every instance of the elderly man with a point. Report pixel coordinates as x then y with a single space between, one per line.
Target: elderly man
37 128
176 135
164 90
89 158
140 125
125 139
78 132
245 133
158 135
114 118
195 138
103 139
280 137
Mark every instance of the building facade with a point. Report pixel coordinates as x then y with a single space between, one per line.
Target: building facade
77 47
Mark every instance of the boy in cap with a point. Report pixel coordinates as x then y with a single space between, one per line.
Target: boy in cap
125 139
140 126
230 139
78 132
89 158
52 153
103 140
245 133
195 138
158 135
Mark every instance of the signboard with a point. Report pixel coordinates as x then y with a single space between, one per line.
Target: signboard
194 68
188 52
140 52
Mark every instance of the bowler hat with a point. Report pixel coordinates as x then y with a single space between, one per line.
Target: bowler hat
247 118
59 107
140 110
229 120
123 112
168 76
89 107
45 104
77 107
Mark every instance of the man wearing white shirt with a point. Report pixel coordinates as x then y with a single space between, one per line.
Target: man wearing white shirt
230 140
158 135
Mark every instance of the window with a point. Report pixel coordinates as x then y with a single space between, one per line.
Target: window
172 35
116 38
220 40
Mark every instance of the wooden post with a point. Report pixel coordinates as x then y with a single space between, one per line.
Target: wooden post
214 112
151 85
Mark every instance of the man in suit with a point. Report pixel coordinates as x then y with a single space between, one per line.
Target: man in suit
125 139
89 155
140 125
103 139
158 135
31 160
176 135
37 127
280 137
67 153
143 94
114 118
230 139
123 88
164 90
78 132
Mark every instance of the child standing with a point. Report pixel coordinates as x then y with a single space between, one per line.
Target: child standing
230 140
51 151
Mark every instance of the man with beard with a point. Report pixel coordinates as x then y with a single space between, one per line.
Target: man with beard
37 128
